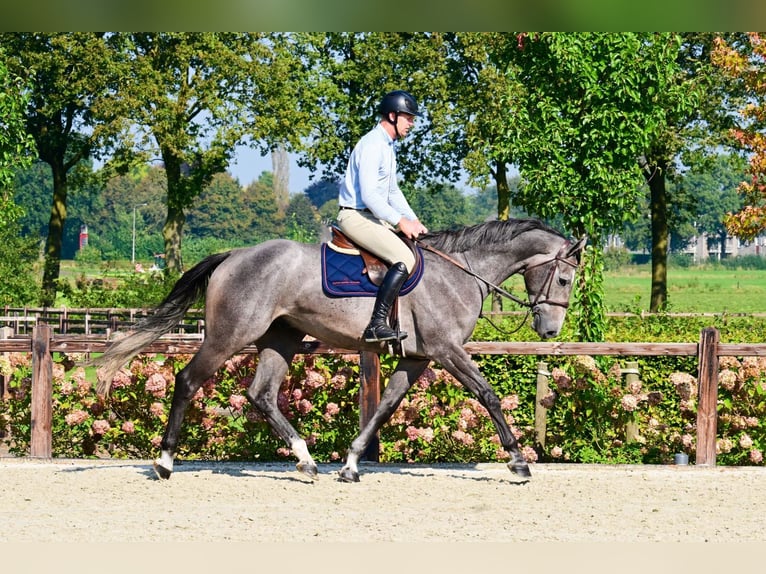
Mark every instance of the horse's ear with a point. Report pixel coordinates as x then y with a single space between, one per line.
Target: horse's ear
576 248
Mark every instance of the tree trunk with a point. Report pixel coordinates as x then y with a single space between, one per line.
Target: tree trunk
655 177
503 191
54 240
172 231
280 164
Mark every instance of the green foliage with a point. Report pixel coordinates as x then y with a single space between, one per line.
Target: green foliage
15 145
133 290
18 261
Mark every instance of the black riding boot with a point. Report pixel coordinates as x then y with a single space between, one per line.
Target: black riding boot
378 329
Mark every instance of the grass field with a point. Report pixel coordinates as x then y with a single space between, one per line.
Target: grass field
690 290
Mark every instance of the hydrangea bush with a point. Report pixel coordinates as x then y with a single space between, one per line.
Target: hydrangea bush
590 409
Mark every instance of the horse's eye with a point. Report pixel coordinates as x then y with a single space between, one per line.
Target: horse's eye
563 282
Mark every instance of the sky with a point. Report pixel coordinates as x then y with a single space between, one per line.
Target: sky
249 165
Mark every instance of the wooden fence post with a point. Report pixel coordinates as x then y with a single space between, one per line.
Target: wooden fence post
541 413
631 376
707 412
369 399
5 333
42 392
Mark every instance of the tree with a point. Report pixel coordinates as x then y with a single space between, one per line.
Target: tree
589 106
348 74
743 62
16 148
266 219
302 222
69 76
220 211
15 145
695 105
193 97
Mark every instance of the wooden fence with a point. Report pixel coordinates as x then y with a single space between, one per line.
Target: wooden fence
43 343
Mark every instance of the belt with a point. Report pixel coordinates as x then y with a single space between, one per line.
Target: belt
343 208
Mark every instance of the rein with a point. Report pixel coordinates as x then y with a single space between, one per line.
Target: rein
529 305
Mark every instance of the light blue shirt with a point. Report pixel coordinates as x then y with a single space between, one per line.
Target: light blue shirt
370 180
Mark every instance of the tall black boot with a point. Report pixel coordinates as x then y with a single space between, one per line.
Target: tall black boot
378 329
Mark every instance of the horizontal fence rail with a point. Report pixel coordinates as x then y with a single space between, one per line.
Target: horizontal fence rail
43 343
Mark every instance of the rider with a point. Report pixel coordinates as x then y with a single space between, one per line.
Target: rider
372 206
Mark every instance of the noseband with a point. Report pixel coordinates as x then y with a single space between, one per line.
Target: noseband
549 279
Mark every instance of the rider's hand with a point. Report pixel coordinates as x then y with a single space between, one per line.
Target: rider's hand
411 227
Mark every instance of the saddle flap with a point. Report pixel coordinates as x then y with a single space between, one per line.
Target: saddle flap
375 267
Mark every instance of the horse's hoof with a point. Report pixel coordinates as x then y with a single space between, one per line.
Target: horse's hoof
161 472
520 469
309 469
348 475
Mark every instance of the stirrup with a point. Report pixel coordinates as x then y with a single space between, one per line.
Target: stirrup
379 333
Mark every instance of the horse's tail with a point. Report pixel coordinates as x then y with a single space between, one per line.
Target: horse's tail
188 289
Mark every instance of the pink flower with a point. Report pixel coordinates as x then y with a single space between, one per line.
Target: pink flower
509 403
727 379
756 456
304 406
330 411
634 387
685 385
100 427
237 402
67 388
75 417
156 385
548 400
156 441
629 403
557 452
128 427
745 441
724 445
157 409
122 378
530 454
313 380
561 379
463 437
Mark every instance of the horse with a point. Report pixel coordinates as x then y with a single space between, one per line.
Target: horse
270 295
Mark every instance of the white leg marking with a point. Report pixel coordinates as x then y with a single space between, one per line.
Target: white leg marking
166 460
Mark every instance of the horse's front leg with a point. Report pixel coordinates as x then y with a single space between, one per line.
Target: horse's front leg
462 367
406 373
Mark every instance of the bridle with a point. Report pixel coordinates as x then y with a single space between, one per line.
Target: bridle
530 305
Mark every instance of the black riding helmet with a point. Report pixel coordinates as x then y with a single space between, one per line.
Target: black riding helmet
398 101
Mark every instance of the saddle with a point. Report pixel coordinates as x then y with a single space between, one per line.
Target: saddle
374 267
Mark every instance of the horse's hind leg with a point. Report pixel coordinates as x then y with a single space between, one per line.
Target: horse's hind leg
276 352
406 373
188 380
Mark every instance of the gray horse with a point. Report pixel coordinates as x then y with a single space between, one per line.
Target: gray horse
271 295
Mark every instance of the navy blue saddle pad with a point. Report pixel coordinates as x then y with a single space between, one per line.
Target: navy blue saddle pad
342 275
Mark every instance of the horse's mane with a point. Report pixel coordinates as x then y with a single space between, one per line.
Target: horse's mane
487 233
